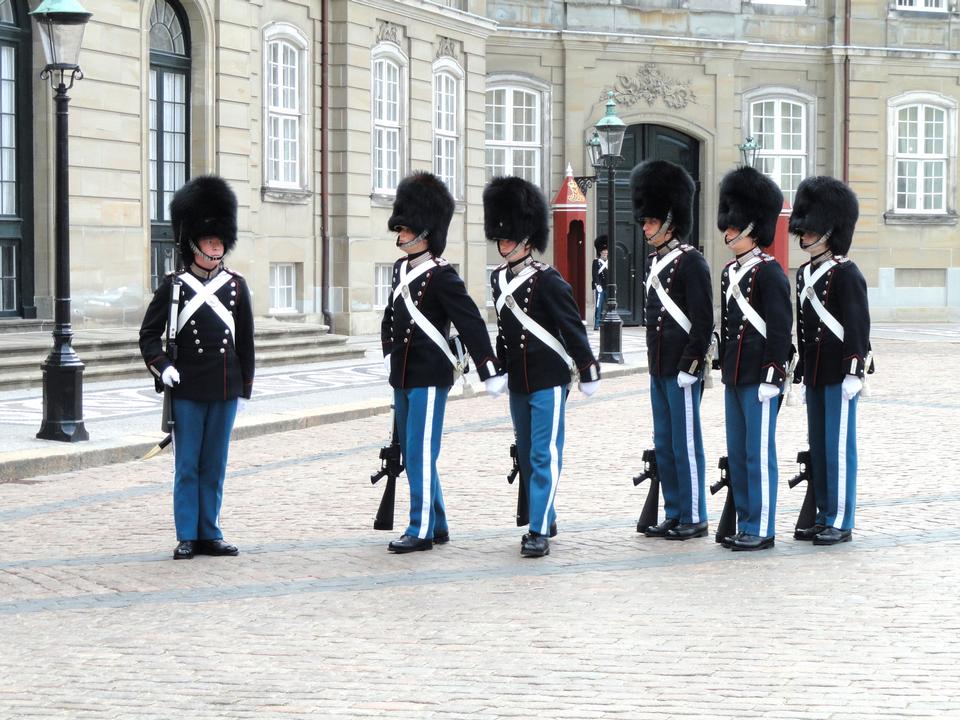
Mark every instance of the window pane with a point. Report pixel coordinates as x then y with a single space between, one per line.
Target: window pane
906 184
496 162
496 123
525 164
933 185
525 121
907 129
763 124
933 130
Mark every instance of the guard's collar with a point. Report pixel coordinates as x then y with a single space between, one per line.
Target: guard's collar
205 275
671 244
419 258
748 255
516 267
821 258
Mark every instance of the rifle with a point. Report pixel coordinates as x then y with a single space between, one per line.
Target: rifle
391 465
728 517
523 503
808 511
651 507
166 415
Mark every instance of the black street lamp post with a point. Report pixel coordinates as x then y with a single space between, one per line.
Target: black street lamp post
61 24
604 148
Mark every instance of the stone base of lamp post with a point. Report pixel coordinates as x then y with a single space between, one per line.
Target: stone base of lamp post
611 327
63 396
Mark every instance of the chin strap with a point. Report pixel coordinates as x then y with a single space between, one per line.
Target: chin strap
411 243
666 226
746 231
822 239
196 249
513 253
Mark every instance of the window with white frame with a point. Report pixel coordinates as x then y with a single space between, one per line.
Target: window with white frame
922 5
283 287
779 126
285 126
382 284
389 113
922 153
491 269
514 132
447 122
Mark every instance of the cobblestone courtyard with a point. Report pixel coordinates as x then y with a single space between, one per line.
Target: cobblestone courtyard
316 619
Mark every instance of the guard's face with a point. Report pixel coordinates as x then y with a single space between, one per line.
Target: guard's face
651 228
742 244
506 246
603 254
212 246
808 242
405 235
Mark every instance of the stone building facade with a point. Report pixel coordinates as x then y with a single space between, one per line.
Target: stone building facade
313 110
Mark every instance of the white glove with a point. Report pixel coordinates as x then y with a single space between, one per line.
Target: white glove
386 363
851 386
170 376
589 388
241 405
685 379
495 385
767 391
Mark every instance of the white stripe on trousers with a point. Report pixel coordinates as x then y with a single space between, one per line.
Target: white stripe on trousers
425 482
842 462
554 460
764 469
691 455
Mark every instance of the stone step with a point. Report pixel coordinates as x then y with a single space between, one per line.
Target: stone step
114 354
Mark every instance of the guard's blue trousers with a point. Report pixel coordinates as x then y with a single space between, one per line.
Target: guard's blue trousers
599 308
832 429
538 422
201 438
678 441
752 455
419 412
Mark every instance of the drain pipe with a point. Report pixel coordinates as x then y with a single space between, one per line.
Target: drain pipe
846 90
325 166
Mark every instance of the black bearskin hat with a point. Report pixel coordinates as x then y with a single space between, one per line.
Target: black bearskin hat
423 204
204 206
748 196
600 243
659 187
823 204
515 209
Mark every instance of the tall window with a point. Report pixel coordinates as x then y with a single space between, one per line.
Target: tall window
446 128
922 153
283 287
169 126
16 192
389 113
923 5
286 106
779 126
382 284
513 133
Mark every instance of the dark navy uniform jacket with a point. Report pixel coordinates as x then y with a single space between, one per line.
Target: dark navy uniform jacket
548 299
669 348
599 276
746 358
214 363
415 360
824 358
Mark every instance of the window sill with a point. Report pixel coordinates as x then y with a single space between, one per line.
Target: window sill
892 218
285 195
382 199
908 14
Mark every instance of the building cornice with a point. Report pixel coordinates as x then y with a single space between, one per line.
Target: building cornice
459 21
585 37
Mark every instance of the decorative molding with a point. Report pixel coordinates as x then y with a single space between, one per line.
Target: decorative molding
290 196
389 32
447 48
649 84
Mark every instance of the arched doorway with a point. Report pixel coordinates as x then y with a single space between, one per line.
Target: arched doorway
16 162
643 142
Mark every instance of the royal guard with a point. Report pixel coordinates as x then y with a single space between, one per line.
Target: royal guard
541 342
833 337
679 319
755 332
599 279
427 296
209 361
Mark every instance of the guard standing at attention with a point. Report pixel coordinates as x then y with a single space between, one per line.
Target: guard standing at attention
679 318
427 295
833 337
213 373
599 279
541 342
755 331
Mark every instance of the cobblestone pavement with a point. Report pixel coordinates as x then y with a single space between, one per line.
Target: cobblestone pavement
316 619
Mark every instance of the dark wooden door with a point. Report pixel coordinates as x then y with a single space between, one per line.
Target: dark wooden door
642 142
